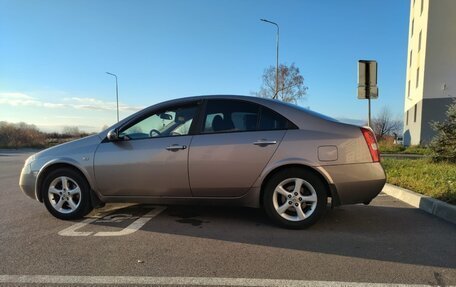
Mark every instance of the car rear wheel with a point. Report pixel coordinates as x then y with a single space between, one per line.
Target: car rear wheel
295 198
66 194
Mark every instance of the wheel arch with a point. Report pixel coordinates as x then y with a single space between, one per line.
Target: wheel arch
330 187
54 165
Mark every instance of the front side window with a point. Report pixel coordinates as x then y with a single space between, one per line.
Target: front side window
174 121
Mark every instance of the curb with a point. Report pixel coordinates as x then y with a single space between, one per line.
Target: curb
428 204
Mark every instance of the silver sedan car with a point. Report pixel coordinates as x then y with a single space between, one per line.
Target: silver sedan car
234 150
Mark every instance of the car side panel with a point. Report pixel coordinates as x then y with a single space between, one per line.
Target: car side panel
143 167
356 178
227 164
304 144
78 154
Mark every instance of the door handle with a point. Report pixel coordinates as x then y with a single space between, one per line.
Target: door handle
176 147
264 142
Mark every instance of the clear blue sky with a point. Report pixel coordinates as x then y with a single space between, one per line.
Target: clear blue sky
54 54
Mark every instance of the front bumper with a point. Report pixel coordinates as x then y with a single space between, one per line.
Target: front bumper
357 183
27 181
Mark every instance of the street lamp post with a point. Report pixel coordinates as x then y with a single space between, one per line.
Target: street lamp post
277 57
117 94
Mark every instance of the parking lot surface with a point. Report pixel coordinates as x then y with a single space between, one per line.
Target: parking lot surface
385 242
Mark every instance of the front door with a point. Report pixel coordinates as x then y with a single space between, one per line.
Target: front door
152 160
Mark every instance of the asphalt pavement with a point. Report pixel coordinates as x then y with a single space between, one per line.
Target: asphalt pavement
386 242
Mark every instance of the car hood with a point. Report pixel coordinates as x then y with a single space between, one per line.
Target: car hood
83 145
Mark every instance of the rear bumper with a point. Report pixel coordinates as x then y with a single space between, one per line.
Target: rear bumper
357 183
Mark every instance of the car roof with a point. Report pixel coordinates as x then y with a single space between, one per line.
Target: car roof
258 100
277 105
300 116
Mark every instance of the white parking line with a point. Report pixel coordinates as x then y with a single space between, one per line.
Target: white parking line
71 231
187 281
133 227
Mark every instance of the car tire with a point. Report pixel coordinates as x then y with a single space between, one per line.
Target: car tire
66 194
295 208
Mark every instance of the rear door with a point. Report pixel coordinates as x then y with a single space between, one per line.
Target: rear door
236 141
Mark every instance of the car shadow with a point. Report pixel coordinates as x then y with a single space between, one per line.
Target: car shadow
396 234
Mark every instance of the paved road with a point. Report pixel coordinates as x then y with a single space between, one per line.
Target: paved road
385 242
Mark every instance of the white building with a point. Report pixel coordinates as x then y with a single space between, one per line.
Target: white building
431 67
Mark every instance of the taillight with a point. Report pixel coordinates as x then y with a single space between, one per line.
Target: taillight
371 142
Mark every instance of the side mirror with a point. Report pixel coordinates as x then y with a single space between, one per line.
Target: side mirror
113 135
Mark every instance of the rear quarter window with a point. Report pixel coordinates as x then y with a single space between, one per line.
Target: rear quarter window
271 120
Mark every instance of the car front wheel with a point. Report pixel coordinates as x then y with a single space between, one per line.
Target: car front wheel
66 194
295 198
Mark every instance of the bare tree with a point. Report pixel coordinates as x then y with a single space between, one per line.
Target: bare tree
291 86
384 124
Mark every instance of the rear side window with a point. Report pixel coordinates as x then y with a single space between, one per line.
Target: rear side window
237 116
230 116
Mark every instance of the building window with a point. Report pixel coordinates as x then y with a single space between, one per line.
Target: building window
417 77
414 114
413 25
422 5
419 42
411 55
408 89
406 118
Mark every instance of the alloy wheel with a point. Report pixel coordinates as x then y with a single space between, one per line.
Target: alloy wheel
64 194
294 199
